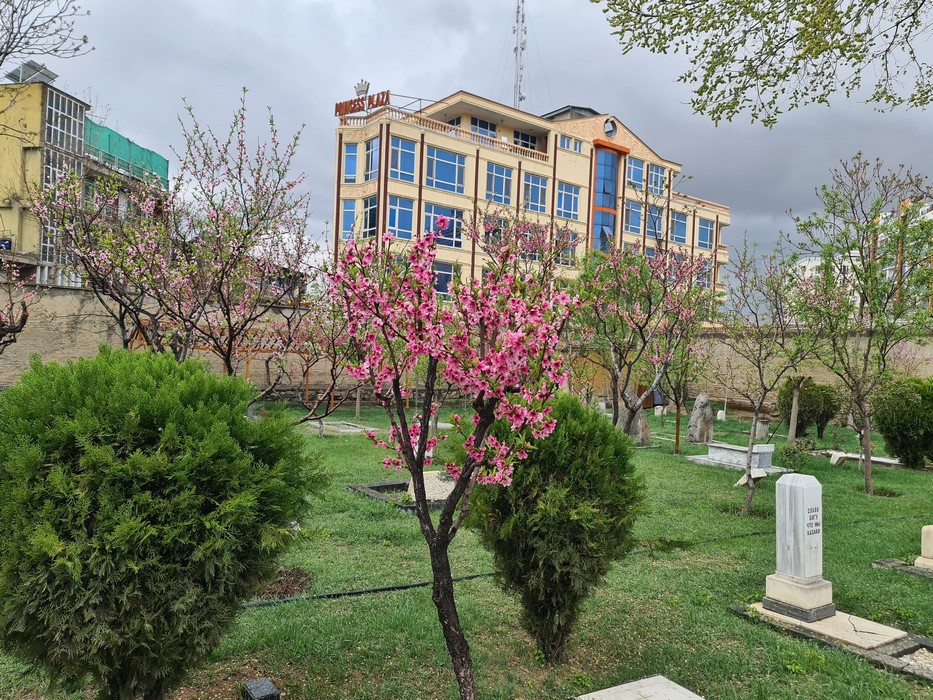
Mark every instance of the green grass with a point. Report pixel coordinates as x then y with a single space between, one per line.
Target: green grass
664 609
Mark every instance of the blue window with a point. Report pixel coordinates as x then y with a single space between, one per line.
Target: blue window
349 163
452 235
607 179
402 160
656 179
370 214
575 145
482 127
347 219
535 192
705 276
632 222
568 255
707 234
678 227
445 170
443 278
649 252
371 171
655 221
635 173
401 217
525 140
568 201
604 227
454 122
498 183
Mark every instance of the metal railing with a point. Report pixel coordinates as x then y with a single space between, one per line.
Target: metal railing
447 129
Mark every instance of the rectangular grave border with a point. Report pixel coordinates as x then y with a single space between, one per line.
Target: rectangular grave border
888 656
899 565
383 490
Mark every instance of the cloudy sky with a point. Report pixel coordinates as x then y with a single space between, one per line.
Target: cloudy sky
299 57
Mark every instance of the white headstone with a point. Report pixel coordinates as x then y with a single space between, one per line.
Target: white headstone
925 560
720 414
761 429
797 587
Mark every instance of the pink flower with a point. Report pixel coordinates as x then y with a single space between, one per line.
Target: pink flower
441 223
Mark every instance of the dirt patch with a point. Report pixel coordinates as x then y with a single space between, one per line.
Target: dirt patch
289 581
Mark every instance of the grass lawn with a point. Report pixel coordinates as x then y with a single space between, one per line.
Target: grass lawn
664 609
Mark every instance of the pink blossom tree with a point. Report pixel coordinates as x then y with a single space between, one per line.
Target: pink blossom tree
494 339
639 311
15 301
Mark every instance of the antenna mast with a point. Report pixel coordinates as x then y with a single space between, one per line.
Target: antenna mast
521 32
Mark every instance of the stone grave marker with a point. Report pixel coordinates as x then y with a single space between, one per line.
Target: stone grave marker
797 588
700 427
925 560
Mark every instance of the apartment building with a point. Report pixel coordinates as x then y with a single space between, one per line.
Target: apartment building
45 133
468 157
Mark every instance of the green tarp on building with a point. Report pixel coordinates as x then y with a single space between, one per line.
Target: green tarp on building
121 154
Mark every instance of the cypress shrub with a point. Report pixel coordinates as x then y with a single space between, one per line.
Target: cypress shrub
904 417
567 514
138 508
817 405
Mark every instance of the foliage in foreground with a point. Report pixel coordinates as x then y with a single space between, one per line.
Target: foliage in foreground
567 515
904 417
138 507
816 405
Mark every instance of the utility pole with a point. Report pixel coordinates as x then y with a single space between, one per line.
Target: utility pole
521 34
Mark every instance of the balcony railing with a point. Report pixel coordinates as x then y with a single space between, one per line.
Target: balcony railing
119 164
447 129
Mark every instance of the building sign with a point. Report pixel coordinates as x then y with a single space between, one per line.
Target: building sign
367 102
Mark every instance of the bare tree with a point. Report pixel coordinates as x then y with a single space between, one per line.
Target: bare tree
766 338
41 28
869 293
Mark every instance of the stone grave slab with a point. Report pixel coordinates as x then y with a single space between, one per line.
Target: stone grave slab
651 688
841 627
437 486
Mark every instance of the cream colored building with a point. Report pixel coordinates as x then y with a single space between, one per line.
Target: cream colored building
467 157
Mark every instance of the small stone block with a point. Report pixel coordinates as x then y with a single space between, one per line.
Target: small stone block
651 688
924 563
757 475
836 458
841 627
720 415
926 542
260 689
801 614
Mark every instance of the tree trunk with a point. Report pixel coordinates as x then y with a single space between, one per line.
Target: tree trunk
442 593
614 387
677 429
866 448
794 409
750 483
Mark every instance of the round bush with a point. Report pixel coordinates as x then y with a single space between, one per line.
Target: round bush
817 405
138 508
567 514
904 417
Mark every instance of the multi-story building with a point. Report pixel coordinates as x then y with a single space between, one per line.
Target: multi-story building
45 133
466 156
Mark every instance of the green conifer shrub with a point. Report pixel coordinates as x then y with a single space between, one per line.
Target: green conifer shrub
567 514
138 508
904 417
817 406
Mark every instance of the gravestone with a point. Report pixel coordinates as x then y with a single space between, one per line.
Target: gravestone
797 588
721 414
925 560
639 432
761 429
700 428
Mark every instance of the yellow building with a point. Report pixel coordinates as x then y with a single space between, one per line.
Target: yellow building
466 156
44 134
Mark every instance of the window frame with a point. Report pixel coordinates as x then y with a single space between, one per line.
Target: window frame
371 159
498 177
456 161
398 151
536 185
566 190
395 208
